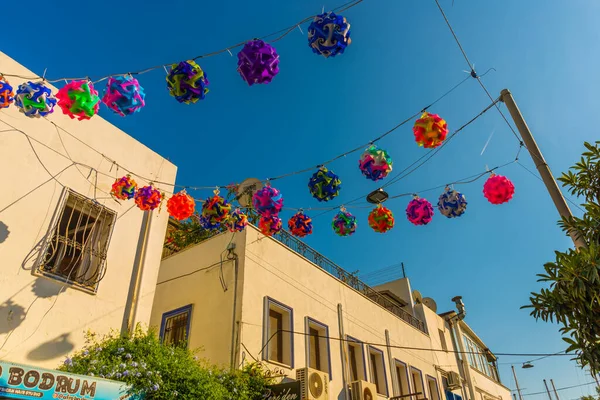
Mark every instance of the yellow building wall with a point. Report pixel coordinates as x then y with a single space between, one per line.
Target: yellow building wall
41 321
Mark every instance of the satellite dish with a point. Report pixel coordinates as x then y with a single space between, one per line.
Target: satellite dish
417 296
429 302
245 191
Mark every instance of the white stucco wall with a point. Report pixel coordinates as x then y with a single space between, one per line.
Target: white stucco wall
40 320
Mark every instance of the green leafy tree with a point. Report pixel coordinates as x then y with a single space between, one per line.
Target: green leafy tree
163 372
572 297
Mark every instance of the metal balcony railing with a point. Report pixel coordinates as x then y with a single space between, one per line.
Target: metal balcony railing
351 280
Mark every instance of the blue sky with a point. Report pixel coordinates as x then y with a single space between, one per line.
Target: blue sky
402 57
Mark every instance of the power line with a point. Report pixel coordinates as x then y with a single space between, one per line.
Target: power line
562 388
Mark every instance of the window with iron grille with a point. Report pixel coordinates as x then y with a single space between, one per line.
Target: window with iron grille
77 242
175 326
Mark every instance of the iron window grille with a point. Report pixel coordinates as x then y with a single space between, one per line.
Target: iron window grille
77 242
175 326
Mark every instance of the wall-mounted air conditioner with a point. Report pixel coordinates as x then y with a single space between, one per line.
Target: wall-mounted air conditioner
453 380
362 390
314 384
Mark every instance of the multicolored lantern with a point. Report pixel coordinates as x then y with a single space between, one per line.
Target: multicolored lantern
344 223
124 95
329 34
124 188
375 163
148 198
452 204
324 185
237 221
498 189
187 82
300 224
381 219
258 62
214 211
6 93
181 206
79 99
419 211
267 201
430 130
270 225
35 99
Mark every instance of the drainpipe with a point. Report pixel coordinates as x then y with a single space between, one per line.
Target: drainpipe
345 369
234 323
463 356
388 343
131 305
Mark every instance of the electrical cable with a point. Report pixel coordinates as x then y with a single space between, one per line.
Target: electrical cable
193 272
285 31
562 388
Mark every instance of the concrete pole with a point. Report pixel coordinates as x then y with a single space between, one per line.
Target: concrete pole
395 389
554 387
540 162
547 390
517 382
343 349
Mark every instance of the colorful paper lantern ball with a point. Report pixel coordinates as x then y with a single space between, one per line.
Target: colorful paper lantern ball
34 99
452 204
214 211
329 34
324 185
344 223
148 198
237 221
258 62
300 224
124 95
124 188
187 82
498 189
181 206
6 93
430 130
419 211
267 201
270 225
79 99
381 219
375 163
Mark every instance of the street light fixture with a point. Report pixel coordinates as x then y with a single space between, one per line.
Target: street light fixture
377 196
527 365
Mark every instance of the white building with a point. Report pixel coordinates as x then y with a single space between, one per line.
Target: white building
68 251
247 297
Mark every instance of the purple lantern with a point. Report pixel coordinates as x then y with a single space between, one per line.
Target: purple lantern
258 62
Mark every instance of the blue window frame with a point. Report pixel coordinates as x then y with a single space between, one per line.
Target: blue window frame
318 355
356 359
377 367
434 390
402 376
278 328
417 383
175 326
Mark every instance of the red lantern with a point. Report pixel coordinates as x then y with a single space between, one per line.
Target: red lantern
498 189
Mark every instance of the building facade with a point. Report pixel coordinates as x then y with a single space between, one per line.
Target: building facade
68 250
245 297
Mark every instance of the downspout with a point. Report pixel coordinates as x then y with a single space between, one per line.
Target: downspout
343 347
454 322
234 324
395 389
131 304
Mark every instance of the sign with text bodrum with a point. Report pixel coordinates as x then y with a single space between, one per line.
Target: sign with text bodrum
25 382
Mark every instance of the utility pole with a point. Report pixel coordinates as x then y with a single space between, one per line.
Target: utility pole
540 162
554 387
517 382
547 390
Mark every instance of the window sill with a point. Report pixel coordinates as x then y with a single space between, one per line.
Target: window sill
60 280
278 364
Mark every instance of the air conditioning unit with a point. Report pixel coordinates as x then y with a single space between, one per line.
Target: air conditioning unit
453 380
314 384
362 390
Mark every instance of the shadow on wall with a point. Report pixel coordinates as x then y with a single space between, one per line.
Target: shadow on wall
56 347
46 288
11 316
4 232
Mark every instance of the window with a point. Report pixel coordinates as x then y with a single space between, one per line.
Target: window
377 365
443 340
75 251
417 383
175 326
478 359
402 374
356 359
434 392
317 346
277 334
